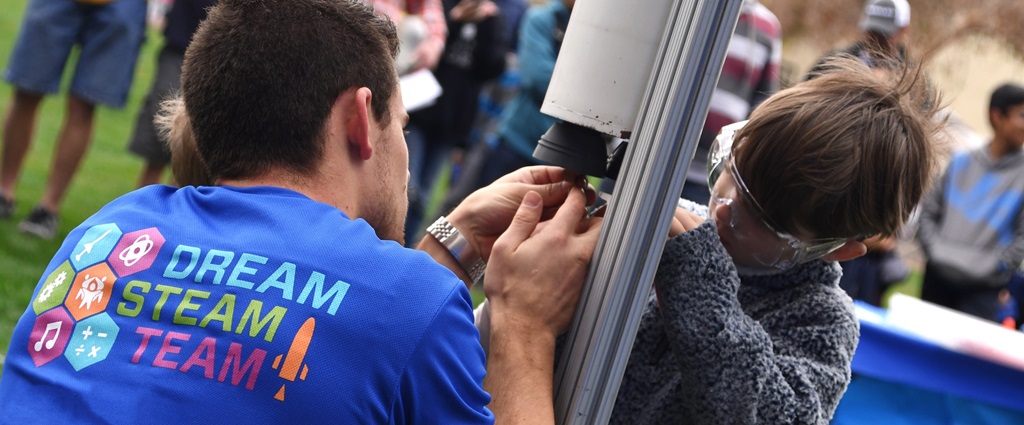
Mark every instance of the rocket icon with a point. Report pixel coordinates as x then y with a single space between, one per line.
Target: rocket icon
296 354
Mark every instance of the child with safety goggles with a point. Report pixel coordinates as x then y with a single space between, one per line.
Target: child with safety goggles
748 323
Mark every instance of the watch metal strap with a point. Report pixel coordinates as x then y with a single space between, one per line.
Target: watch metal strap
458 246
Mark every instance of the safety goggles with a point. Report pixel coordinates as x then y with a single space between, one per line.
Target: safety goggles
750 228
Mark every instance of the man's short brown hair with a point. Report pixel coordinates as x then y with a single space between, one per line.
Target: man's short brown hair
847 154
260 78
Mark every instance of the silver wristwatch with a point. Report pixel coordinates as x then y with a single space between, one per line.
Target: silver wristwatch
458 245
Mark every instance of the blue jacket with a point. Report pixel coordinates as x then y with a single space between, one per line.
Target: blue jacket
972 222
522 123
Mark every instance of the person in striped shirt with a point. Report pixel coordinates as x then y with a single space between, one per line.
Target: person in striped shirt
750 74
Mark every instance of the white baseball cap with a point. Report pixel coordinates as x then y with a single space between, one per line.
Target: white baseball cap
885 16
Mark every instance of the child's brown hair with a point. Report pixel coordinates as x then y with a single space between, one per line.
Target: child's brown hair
846 155
187 166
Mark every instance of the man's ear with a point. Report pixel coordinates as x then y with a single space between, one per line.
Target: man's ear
357 121
850 250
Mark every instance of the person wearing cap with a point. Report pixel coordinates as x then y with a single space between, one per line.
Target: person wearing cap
883 25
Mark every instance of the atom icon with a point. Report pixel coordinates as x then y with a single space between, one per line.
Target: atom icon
134 252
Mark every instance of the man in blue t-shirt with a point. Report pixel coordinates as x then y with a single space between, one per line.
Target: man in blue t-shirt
282 294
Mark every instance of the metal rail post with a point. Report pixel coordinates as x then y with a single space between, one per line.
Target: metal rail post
669 122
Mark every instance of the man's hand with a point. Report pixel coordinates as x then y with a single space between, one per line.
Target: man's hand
485 214
535 275
533 284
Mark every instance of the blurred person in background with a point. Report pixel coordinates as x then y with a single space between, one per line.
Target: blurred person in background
511 12
109 34
466 164
883 25
522 123
474 54
749 75
179 23
971 227
421 29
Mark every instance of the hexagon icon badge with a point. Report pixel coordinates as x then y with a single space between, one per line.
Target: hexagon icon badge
95 245
91 341
49 336
54 288
136 251
91 292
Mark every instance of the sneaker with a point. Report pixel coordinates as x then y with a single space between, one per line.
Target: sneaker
40 222
6 206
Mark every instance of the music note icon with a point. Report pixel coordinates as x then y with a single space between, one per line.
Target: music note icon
49 344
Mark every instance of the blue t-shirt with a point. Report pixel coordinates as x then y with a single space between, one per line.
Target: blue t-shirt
229 305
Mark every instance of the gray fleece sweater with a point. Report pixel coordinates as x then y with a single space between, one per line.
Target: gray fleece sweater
717 348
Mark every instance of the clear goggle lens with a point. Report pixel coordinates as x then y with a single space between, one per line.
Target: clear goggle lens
763 242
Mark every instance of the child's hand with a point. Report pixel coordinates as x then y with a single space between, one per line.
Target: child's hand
683 221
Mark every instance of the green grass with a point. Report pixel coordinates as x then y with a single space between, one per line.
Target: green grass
107 172
910 286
